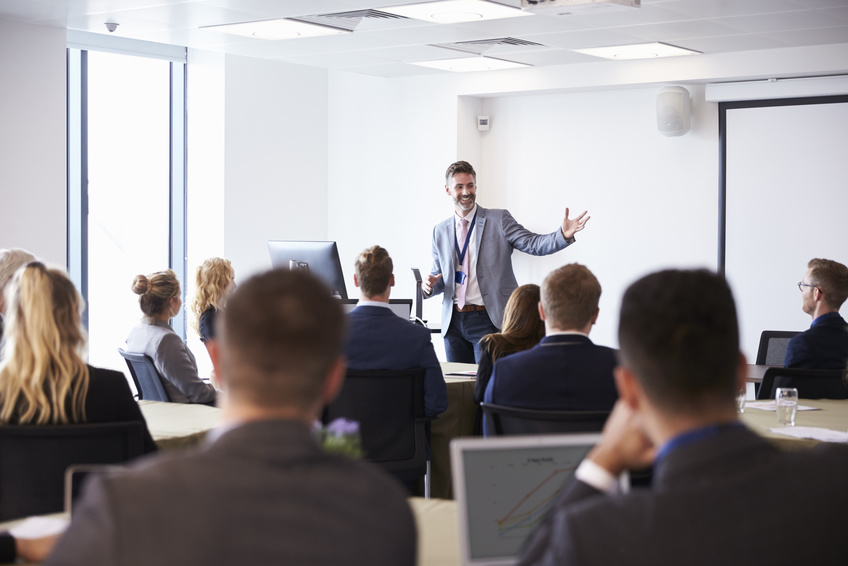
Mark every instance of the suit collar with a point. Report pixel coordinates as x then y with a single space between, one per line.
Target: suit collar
253 439
829 319
577 339
373 310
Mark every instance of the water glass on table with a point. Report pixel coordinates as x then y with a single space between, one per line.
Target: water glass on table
786 403
740 399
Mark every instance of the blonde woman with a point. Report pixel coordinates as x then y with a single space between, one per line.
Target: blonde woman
215 281
43 379
159 299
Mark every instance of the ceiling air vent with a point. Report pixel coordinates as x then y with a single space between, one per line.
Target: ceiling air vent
489 46
350 20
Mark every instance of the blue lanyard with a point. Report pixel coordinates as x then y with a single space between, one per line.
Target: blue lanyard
461 254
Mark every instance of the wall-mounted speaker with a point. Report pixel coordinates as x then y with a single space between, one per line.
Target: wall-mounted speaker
673 111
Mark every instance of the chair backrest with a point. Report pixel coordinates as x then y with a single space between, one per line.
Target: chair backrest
772 349
33 460
511 420
147 380
389 407
810 383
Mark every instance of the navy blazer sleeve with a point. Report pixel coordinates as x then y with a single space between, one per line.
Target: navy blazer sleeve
435 388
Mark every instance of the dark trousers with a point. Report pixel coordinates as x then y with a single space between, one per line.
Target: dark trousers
462 340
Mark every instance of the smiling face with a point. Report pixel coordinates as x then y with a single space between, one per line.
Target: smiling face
463 190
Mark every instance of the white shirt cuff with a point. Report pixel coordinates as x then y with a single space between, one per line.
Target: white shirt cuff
596 476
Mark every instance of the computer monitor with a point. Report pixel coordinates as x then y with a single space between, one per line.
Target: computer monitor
319 258
401 307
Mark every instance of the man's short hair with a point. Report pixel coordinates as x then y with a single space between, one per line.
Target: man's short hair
460 167
570 297
374 271
679 334
282 331
831 277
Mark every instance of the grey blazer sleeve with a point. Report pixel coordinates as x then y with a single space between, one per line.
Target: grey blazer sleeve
529 242
178 366
90 539
439 287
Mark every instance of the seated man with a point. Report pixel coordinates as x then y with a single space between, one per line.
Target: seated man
379 339
261 491
721 493
825 345
566 370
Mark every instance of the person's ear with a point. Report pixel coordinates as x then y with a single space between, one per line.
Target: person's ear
355 280
541 311
334 381
392 281
595 318
629 389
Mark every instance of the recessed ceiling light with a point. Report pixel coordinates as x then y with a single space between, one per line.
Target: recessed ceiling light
454 11
638 51
276 29
468 64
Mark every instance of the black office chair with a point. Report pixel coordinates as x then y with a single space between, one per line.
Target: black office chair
147 380
389 407
33 460
772 349
511 420
810 383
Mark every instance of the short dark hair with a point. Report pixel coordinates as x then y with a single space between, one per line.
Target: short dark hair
831 278
373 270
282 331
460 167
679 334
570 296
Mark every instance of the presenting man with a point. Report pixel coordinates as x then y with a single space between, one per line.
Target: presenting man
379 339
825 345
566 370
721 493
261 491
472 263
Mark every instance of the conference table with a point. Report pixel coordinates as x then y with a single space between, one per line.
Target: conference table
175 426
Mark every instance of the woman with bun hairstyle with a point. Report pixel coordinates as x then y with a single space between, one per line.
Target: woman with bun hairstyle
159 299
215 280
43 378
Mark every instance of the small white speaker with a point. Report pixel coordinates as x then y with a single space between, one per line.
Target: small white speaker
673 111
483 123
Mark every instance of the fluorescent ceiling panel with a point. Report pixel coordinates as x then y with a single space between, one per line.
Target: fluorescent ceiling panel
638 51
276 29
468 64
453 11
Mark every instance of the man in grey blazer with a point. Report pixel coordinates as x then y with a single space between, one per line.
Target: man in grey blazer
721 494
472 263
261 491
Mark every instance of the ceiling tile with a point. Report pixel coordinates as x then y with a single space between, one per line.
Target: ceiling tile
688 29
824 36
586 39
784 21
731 43
706 9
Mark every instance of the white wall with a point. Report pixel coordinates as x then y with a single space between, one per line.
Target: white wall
32 140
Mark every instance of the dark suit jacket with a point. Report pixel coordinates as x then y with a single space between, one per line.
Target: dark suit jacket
262 493
562 372
823 346
379 339
730 498
109 400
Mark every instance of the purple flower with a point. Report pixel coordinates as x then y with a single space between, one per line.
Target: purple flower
342 427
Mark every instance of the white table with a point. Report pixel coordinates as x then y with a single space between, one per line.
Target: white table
178 425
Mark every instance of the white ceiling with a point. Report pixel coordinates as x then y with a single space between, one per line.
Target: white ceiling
385 48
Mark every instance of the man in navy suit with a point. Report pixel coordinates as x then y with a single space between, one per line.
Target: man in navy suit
472 263
379 339
825 345
566 370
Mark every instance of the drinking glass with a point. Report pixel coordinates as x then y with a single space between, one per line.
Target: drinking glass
786 401
740 400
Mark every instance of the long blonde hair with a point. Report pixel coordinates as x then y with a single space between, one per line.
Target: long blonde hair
212 286
42 373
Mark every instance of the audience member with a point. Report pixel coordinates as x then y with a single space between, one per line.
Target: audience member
10 261
566 370
261 491
825 345
722 494
379 339
214 282
159 299
522 329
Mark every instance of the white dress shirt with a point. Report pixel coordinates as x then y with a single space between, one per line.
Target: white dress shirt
473 296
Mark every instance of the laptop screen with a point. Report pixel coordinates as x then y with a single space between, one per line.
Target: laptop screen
505 486
401 307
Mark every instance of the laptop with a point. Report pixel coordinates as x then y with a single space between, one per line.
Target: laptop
401 307
504 486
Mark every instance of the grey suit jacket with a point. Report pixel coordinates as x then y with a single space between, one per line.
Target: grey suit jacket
262 493
727 498
498 234
173 360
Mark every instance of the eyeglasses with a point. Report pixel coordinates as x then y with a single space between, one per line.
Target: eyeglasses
801 286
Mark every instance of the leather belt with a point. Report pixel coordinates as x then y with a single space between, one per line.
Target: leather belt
469 308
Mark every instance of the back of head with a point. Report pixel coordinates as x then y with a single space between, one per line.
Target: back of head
831 277
282 331
10 261
570 297
155 291
678 333
459 167
522 327
42 368
212 285
374 271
